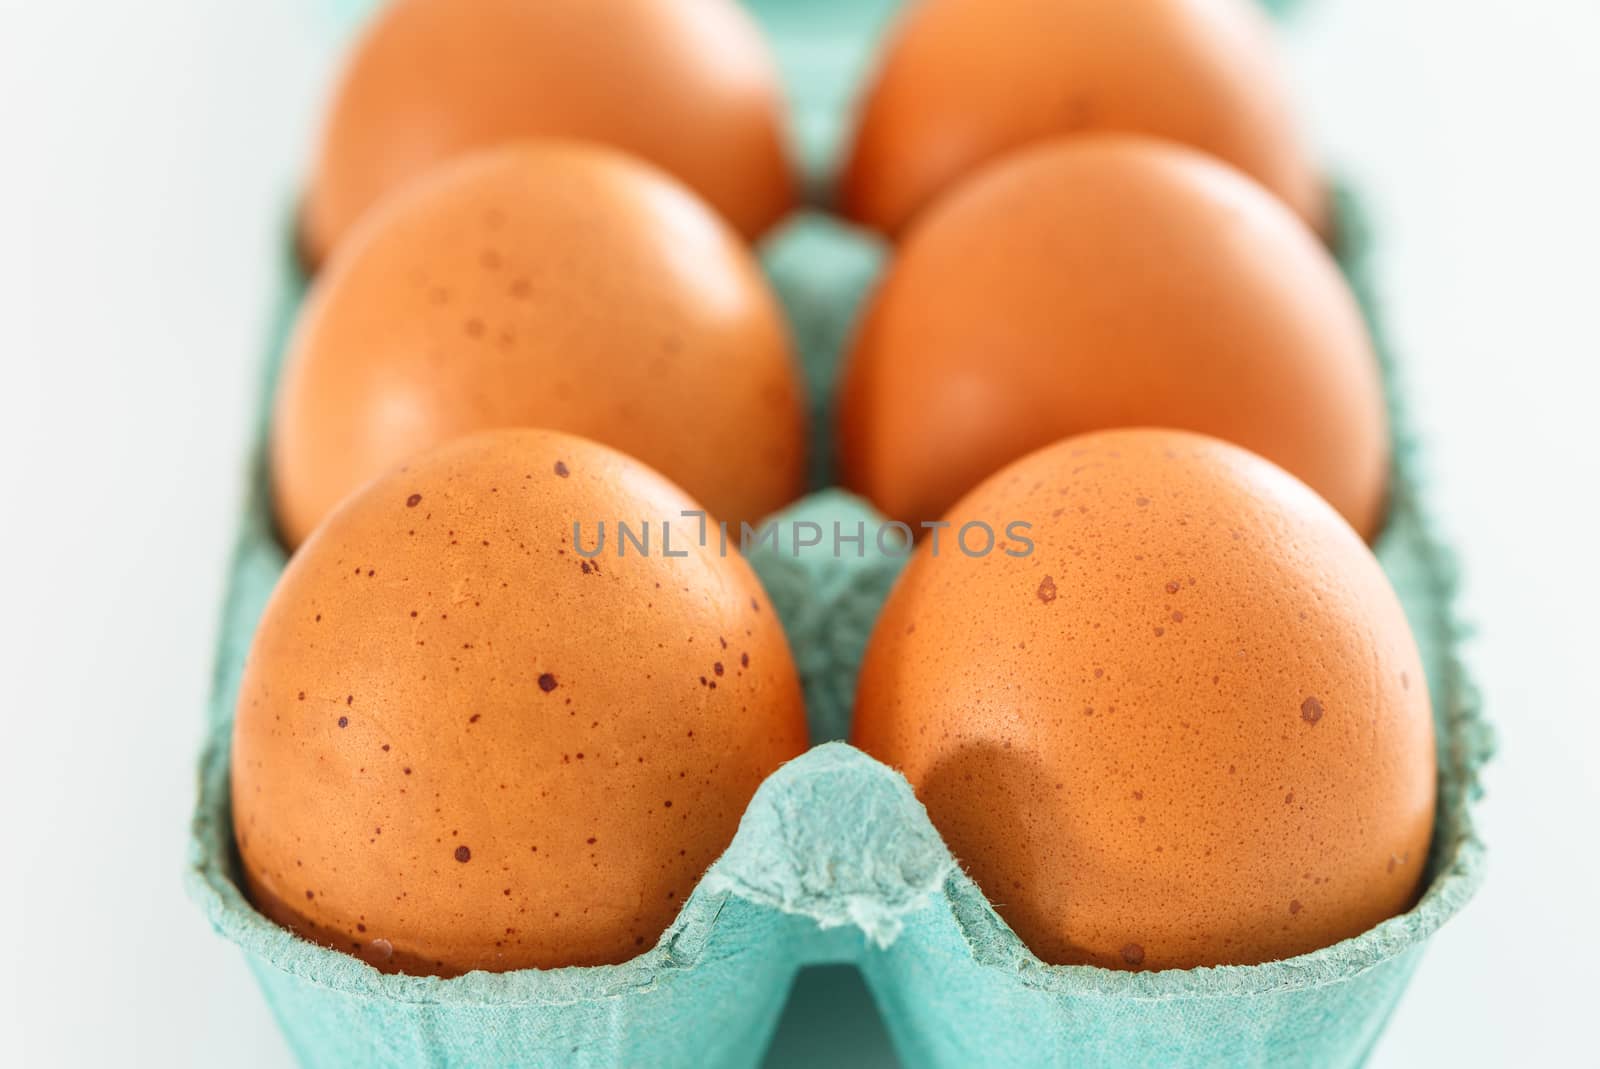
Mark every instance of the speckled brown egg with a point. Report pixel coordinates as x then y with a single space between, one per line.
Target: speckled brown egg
1111 281
1180 720
689 86
546 284
461 743
962 82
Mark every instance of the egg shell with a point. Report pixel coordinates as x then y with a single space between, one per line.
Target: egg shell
962 82
460 744
1106 282
543 284
690 86
1191 727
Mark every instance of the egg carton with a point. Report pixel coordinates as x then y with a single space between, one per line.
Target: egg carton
835 860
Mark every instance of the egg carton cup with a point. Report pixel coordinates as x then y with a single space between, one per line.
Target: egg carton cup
835 860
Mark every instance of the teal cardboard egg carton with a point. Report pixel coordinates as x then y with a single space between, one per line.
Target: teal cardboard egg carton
835 861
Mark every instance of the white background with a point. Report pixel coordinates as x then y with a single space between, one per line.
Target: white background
147 155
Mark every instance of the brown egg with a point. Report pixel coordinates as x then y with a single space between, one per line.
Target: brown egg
1107 282
462 745
1179 720
689 86
545 284
962 82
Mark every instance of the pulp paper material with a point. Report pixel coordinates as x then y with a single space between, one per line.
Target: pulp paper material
835 860
828 603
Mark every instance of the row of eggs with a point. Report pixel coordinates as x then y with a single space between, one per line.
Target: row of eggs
1188 726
